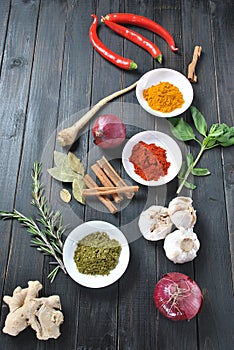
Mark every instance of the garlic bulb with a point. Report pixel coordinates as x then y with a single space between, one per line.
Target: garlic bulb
181 246
155 223
182 213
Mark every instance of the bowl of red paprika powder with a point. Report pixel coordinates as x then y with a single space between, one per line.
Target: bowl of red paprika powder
152 158
164 92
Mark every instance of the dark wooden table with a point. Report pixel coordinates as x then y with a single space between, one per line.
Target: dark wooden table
49 72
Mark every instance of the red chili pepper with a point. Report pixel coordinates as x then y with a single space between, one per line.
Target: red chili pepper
135 37
111 56
141 21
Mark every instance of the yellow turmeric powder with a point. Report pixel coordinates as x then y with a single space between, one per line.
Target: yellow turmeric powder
164 97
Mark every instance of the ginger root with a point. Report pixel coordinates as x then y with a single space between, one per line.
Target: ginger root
26 309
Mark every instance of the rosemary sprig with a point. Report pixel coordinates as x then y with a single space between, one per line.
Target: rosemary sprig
47 229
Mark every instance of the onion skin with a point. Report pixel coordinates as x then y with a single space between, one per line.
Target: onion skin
178 297
108 131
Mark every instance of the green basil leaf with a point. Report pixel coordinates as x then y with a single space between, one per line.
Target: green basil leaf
231 130
227 138
199 121
182 171
217 130
223 138
189 159
208 142
228 143
190 185
181 129
200 172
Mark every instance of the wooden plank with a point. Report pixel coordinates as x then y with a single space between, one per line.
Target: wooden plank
4 18
75 100
47 88
41 109
137 314
14 88
100 304
213 264
168 15
224 67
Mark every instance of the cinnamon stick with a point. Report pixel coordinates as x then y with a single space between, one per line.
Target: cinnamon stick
105 181
90 183
113 175
191 68
108 190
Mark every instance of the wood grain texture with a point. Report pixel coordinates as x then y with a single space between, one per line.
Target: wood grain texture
225 94
210 196
4 18
50 76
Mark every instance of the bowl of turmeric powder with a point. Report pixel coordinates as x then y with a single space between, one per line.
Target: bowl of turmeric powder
164 92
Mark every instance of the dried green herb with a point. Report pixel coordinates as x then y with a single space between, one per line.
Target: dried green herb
97 254
60 159
62 174
77 188
65 195
69 168
75 163
47 229
219 134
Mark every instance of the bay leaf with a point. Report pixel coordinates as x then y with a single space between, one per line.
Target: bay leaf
60 158
63 174
65 195
77 188
75 163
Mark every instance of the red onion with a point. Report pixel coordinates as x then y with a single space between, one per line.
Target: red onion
177 296
108 131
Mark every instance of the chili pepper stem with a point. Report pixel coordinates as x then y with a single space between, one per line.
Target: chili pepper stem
133 65
159 58
190 168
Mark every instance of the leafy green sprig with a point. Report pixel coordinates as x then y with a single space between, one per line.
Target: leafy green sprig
219 134
47 229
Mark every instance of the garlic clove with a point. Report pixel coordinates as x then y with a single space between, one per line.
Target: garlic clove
182 213
155 223
181 246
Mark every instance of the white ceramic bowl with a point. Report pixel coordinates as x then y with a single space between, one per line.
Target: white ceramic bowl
154 77
70 245
174 155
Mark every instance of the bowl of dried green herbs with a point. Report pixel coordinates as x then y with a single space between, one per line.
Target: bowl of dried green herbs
96 254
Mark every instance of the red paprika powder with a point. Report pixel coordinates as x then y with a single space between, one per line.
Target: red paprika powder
150 161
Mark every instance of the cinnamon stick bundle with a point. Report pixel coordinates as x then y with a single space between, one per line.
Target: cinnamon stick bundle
90 183
112 183
113 175
105 181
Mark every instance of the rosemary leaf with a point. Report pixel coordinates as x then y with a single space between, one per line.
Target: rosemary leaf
53 274
37 241
56 248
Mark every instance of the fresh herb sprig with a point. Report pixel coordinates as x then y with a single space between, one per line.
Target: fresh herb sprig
47 229
219 134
